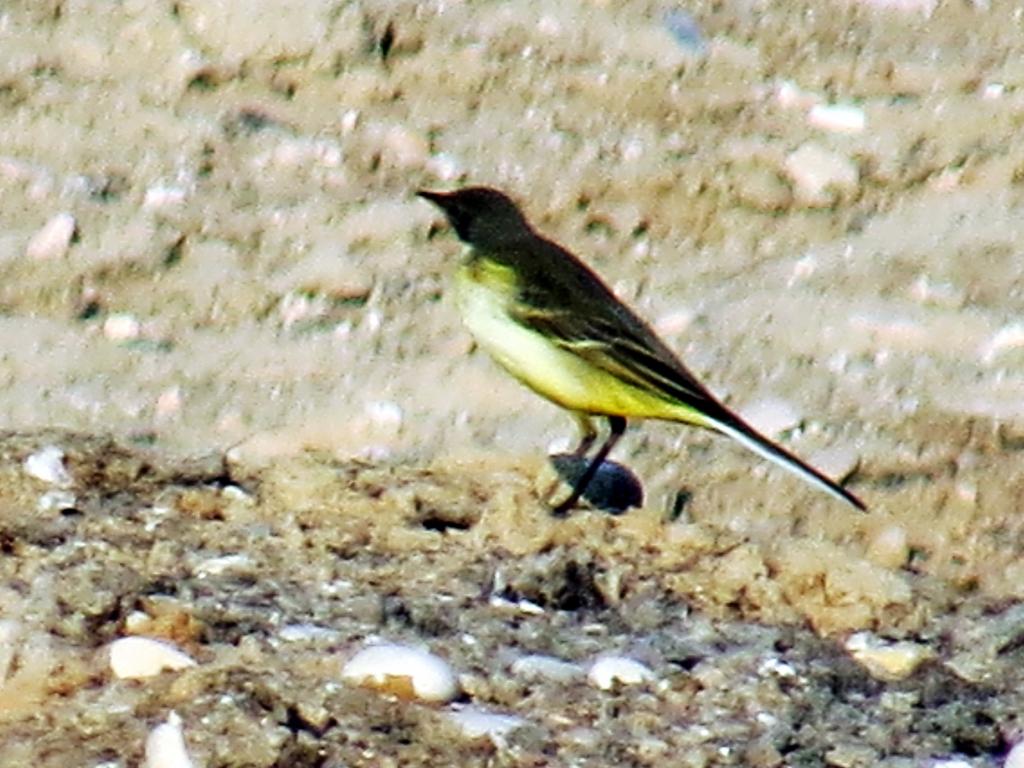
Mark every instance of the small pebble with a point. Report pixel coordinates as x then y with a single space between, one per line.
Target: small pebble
405 148
444 167
15 170
47 464
993 91
583 737
295 633
165 745
773 415
608 671
139 657
57 499
121 327
674 323
529 607
522 605
53 239
403 671
761 187
349 121
789 96
837 118
298 307
685 30
291 152
766 719
217 566
1006 338
839 460
942 294
137 621
614 487
903 702
851 756
1015 757
384 413
820 176
236 493
888 546
540 667
168 404
803 268
887 660
476 722
162 197
946 180
549 26
775 667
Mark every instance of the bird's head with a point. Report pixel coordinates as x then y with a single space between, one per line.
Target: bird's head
481 216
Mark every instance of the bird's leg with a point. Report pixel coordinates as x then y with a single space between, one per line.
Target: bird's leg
618 426
588 434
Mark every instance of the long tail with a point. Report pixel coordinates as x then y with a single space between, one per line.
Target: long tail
748 437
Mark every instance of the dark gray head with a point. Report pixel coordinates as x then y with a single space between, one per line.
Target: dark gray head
481 216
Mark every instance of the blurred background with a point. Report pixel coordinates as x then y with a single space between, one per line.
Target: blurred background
208 234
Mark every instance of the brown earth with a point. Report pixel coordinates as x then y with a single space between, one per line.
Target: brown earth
247 350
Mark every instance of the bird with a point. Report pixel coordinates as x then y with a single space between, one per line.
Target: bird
551 322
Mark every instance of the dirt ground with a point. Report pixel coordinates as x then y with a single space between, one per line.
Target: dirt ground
222 302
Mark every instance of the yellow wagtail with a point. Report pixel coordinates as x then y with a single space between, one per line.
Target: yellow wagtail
551 322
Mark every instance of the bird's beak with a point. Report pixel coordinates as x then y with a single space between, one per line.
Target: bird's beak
440 199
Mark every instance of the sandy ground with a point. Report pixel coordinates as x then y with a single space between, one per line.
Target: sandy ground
221 300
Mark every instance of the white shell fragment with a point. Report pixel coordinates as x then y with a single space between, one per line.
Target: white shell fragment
385 413
139 657
402 670
993 91
122 327
311 633
838 118
774 667
837 460
160 197
405 148
53 239
218 566
165 745
773 415
540 667
1006 338
887 660
820 176
608 671
47 464
1015 757
475 722
522 605
56 499
889 546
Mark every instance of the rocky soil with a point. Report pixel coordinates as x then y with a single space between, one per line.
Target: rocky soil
241 414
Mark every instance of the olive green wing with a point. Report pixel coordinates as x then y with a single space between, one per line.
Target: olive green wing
625 348
563 299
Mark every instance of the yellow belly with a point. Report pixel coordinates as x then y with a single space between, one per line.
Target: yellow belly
483 294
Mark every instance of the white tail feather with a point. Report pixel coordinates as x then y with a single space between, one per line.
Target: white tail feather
764 448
